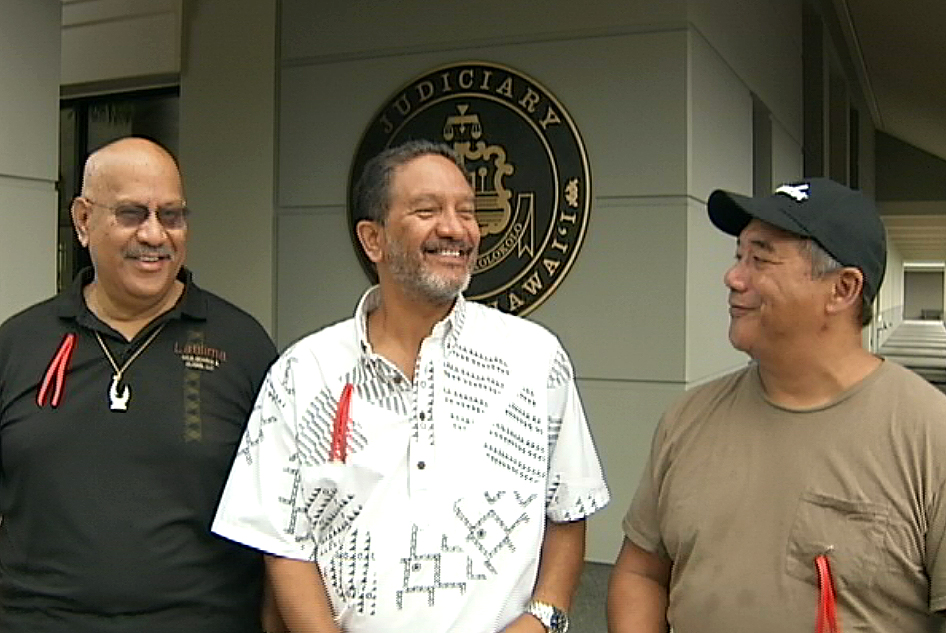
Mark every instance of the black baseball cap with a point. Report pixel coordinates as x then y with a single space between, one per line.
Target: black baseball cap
844 222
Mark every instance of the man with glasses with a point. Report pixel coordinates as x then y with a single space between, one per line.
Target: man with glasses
122 400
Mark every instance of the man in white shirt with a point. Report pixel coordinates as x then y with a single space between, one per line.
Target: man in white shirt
426 465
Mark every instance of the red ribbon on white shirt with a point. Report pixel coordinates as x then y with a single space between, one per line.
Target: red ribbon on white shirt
340 427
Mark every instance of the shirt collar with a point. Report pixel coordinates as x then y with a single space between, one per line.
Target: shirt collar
70 304
448 329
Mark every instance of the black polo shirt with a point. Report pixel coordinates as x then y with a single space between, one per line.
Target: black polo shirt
106 514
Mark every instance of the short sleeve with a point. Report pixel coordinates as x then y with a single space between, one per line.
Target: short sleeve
263 504
641 522
576 487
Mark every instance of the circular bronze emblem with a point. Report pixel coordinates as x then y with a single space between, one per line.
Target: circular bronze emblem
526 162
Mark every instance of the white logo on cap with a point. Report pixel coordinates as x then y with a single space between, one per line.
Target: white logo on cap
798 193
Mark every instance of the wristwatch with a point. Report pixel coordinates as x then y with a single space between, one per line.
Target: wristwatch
552 618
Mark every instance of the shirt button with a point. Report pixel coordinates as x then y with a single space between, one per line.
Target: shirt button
422 416
421 465
397 380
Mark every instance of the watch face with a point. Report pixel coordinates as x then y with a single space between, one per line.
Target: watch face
559 622
551 617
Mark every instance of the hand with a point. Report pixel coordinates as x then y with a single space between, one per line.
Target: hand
525 623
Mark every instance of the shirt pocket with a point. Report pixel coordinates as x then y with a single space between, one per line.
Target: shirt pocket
338 493
851 533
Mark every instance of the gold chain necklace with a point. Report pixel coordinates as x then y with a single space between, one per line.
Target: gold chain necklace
119 401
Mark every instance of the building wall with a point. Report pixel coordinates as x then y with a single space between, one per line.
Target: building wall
662 92
922 293
146 34
222 53
662 95
624 327
228 121
29 149
890 299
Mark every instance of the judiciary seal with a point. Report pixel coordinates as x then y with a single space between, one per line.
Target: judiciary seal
525 160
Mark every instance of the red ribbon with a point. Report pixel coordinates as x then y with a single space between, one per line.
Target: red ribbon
340 428
57 370
827 604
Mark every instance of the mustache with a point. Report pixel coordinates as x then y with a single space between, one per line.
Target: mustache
161 252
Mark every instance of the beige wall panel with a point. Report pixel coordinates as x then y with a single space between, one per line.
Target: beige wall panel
357 27
29 99
29 126
632 119
320 279
620 312
227 149
633 124
709 255
720 157
622 417
84 11
889 309
922 291
27 245
147 34
720 123
761 42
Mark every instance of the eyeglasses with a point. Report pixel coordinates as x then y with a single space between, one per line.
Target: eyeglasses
131 216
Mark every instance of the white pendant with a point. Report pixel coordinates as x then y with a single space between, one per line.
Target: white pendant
118 401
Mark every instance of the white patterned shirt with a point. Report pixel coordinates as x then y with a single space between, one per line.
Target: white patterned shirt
435 520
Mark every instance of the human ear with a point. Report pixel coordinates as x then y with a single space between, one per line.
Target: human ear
81 213
370 236
846 290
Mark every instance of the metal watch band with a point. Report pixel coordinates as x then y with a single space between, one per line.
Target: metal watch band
552 618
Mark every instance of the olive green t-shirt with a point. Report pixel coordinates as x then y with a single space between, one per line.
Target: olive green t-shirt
742 495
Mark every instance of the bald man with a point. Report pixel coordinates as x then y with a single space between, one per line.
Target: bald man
122 401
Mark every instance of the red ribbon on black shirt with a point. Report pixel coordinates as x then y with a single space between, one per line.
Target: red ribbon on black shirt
57 371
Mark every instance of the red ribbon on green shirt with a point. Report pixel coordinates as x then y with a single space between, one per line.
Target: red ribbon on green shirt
827 604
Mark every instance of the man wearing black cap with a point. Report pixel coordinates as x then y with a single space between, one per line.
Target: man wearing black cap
807 490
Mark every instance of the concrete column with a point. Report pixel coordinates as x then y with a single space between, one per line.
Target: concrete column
29 125
228 79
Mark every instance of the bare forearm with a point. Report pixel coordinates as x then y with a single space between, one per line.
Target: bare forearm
638 591
300 595
272 621
636 604
563 557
